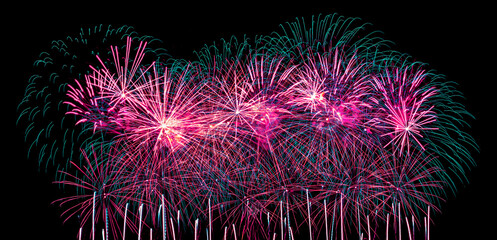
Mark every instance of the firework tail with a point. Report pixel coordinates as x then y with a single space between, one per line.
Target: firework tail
341 219
326 220
140 213
106 224
234 232
93 217
125 219
388 220
426 228
369 228
177 218
172 227
413 232
399 222
195 234
309 213
164 217
210 220
408 228
281 218
428 224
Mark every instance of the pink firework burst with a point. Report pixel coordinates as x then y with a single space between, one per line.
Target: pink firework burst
405 113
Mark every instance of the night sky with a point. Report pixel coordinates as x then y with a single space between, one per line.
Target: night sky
458 41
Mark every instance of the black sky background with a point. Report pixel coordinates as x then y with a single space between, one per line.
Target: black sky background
456 40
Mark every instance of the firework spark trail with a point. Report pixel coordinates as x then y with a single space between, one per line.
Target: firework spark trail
247 131
405 106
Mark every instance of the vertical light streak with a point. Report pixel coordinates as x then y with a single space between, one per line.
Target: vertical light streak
413 231
388 220
125 218
234 231
93 217
178 216
426 228
326 221
195 234
309 213
281 217
210 221
341 218
268 225
106 224
408 228
172 227
140 213
428 223
288 214
400 224
163 205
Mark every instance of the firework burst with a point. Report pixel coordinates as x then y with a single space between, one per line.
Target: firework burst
262 138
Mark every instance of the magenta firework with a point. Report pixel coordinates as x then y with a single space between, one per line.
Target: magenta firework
323 128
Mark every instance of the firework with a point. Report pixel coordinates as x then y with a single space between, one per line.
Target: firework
303 128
